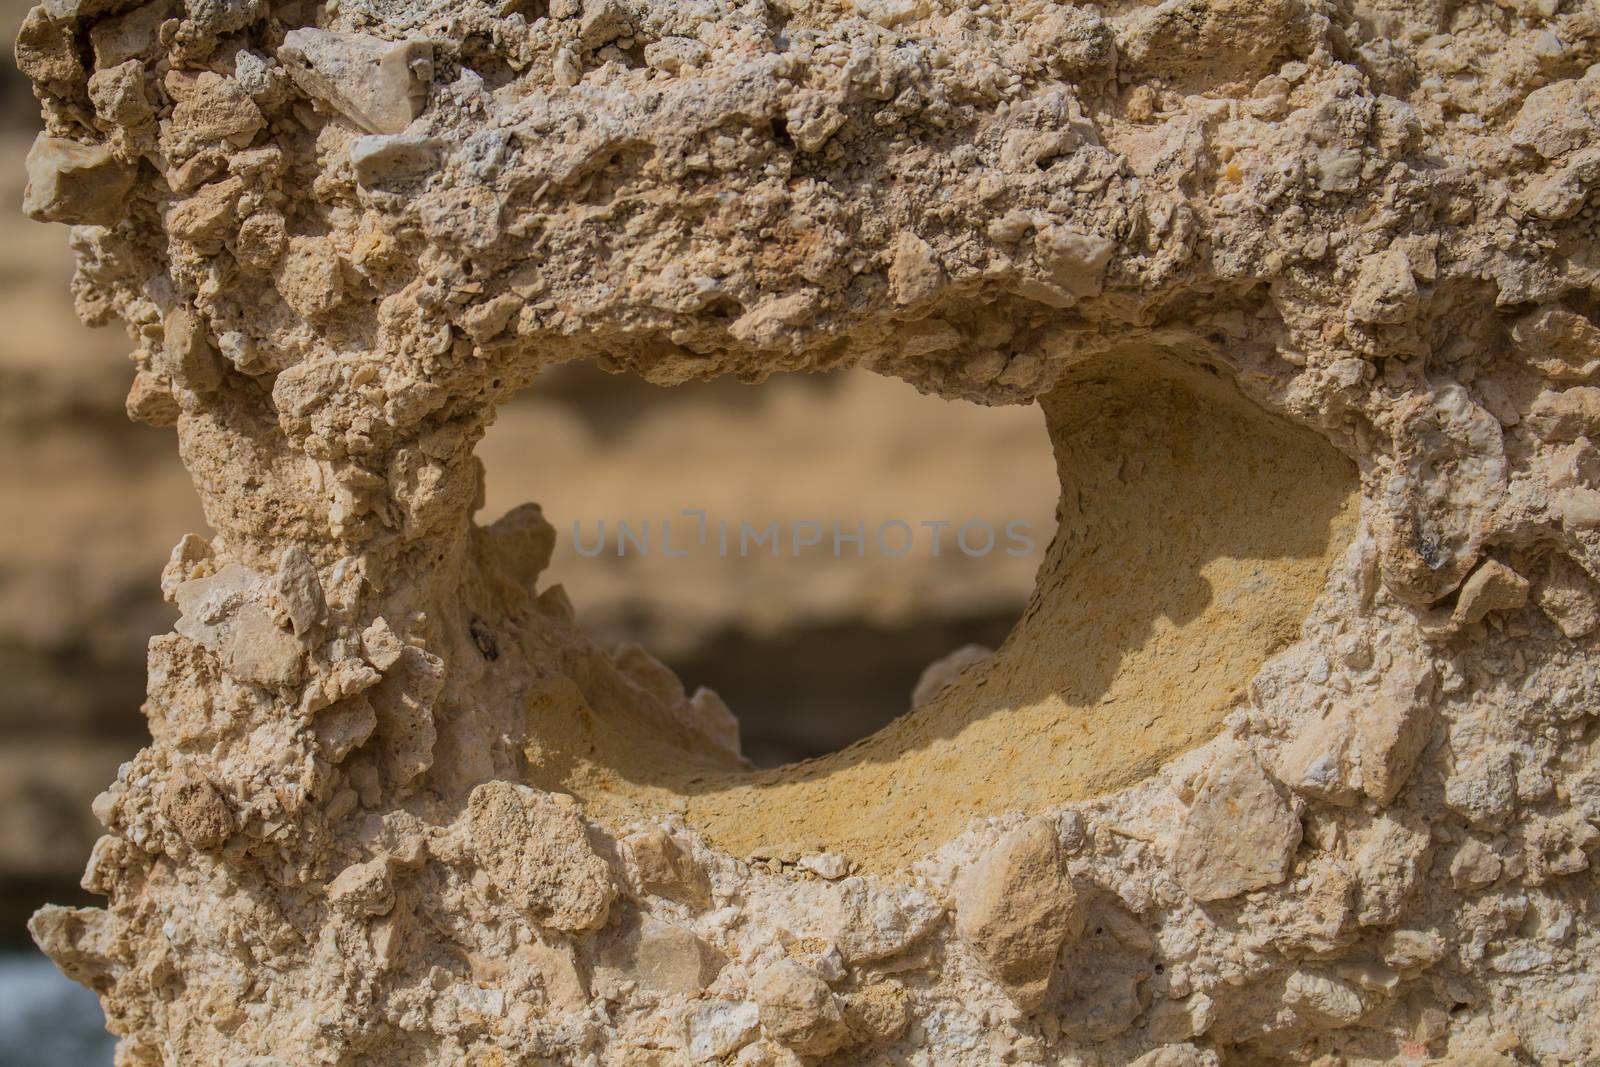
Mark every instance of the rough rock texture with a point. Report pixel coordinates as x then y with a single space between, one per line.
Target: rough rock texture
1307 296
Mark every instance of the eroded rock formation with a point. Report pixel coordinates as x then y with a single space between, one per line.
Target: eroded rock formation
1293 754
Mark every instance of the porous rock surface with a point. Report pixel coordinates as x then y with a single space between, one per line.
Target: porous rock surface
1299 728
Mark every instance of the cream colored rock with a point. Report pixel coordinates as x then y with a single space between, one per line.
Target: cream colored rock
1239 833
660 957
665 868
535 849
1303 294
1570 598
75 183
1492 587
376 84
1016 907
798 1009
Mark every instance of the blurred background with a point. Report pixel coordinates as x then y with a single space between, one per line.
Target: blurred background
810 653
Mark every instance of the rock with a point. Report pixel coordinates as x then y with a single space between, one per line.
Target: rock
1174 1056
914 273
1392 729
763 326
299 591
1323 760
1386 290
1449 478
1072 263
1492 587
664 868
602 21
1239 834
309 277
1566 415
559 977
535 849
228 614
188 359
78 184
675 54
661 957
1562 345
344 726
197 810
890 13
382 648
46 51
78 940
1474 865
1389 861
150 400
1183 37
798 1009
945 670
876 1013
134 35
1569 597
1484 790
1016 907
378 85
363 889
717 1028
380 159
881 921
829 865
207 217
211 110
118 94
1327 1000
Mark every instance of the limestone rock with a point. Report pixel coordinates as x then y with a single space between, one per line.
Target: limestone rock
798 1009
380 159
665 868
1560 344
1569 597
75 183
1303 294
1173 1056
1386 291
198 810
914 274
718 1027
228 614
1239 834
876 1013
378 85
1329 1000
1391 731
1017 906
661 957
875 923
535 849
1492 587
1474 865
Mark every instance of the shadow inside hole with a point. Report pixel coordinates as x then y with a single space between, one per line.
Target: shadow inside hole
1195 531
803 693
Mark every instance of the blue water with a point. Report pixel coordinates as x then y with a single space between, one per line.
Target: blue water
46 1020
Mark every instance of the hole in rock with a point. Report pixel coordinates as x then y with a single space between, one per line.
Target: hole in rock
811 645
1194 531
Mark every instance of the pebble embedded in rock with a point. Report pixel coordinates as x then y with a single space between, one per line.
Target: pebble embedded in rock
1239 834
1016 908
